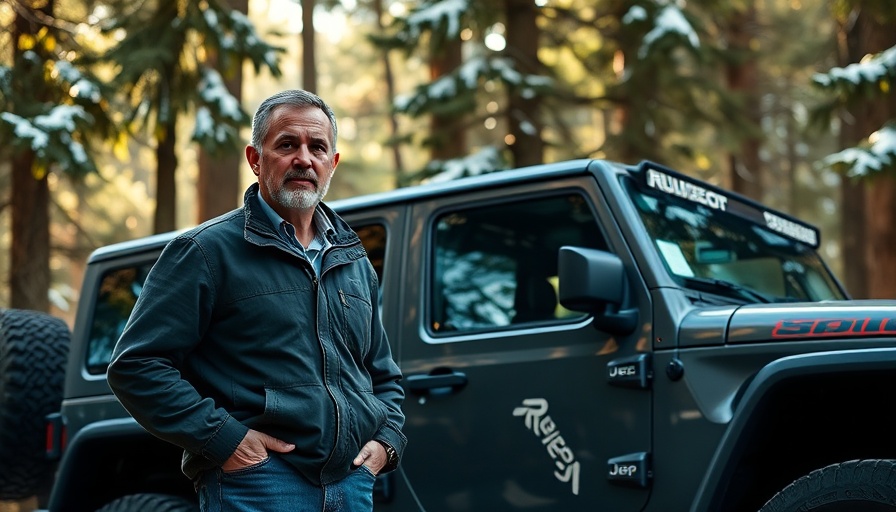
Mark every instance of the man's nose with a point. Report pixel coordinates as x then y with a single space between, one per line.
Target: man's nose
302 157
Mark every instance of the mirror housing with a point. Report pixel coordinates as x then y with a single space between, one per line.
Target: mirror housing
594 281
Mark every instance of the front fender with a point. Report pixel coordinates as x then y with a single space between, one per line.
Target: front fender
710 494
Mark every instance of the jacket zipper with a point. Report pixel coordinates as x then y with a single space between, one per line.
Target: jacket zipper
316 286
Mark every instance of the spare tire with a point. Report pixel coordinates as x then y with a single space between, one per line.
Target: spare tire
33 352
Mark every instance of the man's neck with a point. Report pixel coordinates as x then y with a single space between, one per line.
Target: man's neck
305 232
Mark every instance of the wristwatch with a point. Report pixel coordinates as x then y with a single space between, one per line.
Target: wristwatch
391 455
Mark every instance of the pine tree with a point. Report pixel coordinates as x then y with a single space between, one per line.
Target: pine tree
863 99
466 77
53 108
161 70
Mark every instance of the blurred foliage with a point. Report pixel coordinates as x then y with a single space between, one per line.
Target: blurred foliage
622 79
160 66
51 106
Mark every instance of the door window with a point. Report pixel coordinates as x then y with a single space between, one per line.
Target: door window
495 267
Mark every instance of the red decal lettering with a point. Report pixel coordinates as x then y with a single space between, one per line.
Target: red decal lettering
788 328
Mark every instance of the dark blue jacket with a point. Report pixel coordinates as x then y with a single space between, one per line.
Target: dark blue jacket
233 330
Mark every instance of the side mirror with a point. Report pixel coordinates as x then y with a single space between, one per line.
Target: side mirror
593 281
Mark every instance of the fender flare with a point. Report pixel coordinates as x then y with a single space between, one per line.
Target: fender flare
71 468
722 465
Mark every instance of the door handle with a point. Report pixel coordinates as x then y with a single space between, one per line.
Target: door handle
438 382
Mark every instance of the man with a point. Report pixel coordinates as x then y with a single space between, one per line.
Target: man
256 343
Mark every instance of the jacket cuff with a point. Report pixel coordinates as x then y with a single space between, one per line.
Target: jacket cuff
223 443
394 438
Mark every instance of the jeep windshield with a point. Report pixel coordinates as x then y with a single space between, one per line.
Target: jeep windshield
724 244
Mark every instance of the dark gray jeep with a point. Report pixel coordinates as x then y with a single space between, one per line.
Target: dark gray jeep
576 336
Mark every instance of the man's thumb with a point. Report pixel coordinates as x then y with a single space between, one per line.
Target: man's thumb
276 445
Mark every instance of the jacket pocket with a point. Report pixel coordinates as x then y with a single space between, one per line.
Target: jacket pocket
302 414
355 312
367 414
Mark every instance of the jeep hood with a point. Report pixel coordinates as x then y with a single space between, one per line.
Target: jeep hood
789 322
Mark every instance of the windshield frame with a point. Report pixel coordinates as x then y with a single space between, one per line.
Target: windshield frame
767 242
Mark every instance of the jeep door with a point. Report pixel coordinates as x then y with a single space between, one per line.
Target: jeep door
508 401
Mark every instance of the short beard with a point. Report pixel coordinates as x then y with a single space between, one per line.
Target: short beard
300 199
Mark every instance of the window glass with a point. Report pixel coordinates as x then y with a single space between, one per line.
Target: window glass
496 266
719 251
116 298
373 238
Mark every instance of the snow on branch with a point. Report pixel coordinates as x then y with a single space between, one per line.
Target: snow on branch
433 15
80 86
213 92
235 35
669 21
219 115
877 154
486 160
871 71
467 78
49 136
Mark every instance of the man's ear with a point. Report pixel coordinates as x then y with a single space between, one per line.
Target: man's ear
253 157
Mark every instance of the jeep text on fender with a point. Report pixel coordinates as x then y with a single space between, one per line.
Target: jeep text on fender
576 336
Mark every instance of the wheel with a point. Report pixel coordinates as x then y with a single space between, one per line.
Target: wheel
33 352
855 486
150 503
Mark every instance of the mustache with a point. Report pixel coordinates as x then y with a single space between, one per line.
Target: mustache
297 174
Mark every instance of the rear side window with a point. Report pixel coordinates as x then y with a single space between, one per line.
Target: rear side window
373 238
116 298
495 267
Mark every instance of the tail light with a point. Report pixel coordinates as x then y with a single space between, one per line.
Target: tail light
56 435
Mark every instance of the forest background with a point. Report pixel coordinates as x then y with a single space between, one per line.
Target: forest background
123 118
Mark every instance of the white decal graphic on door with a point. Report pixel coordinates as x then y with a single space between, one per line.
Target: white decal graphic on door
535 413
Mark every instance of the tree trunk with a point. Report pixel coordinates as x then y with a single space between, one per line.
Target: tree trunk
742 76
852 191
218 186
853 236
871 35
523 116
880 211
29 269
166 168
390 96
309 69
30 259
447 135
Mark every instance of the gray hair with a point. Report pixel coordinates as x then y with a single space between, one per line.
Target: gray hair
261 123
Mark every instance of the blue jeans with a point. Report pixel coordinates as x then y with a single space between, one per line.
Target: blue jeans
275 486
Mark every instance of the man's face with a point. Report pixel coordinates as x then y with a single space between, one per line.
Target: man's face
297 159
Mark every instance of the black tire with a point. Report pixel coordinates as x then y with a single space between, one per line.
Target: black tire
855 486
33 352
150 503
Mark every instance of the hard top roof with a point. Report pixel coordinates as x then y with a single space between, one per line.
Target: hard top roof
407 194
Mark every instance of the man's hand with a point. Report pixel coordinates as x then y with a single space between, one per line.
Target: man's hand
254 448
372 455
